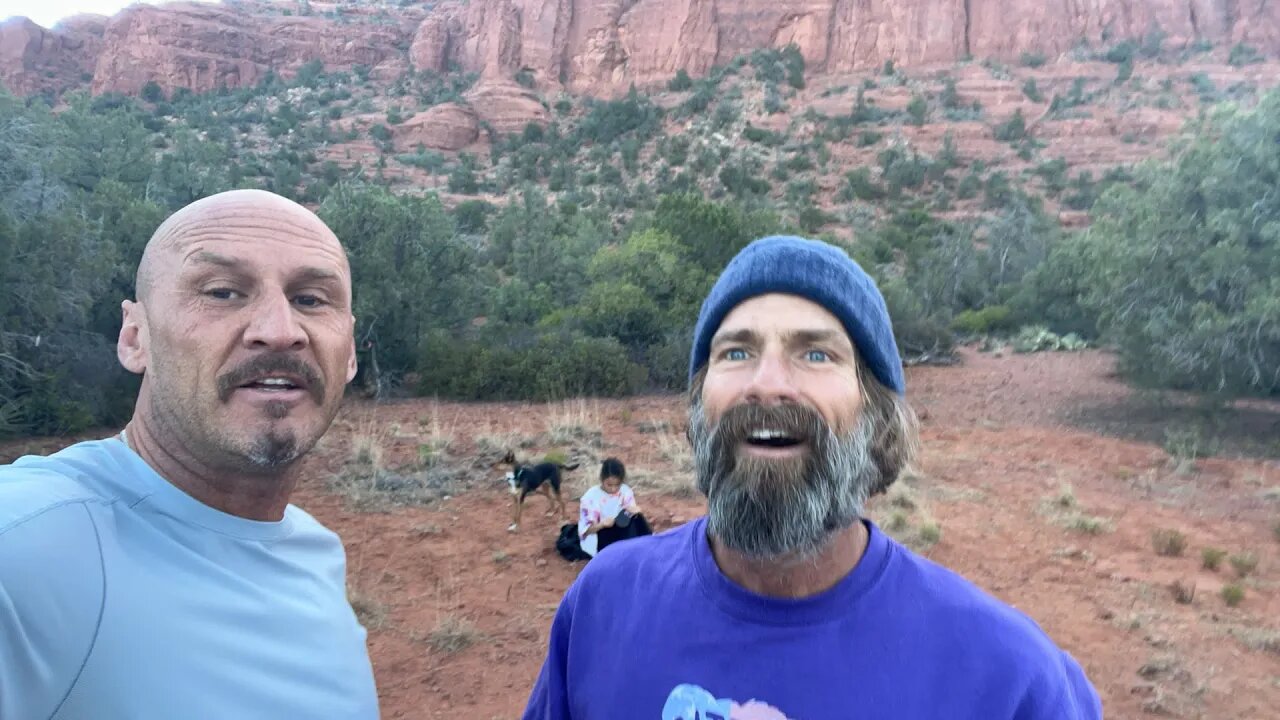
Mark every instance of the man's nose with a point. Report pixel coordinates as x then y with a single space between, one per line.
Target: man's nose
274 325
771 381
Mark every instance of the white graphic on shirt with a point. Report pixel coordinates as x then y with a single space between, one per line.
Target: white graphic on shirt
690 702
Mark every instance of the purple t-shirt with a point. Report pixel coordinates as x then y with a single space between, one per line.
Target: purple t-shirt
652 630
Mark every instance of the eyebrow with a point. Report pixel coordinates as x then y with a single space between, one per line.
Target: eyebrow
303 275
747 336
206 257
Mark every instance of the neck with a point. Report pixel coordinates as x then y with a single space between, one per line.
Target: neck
795 577
251 496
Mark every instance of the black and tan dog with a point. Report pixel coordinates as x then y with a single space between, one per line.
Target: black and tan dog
525 480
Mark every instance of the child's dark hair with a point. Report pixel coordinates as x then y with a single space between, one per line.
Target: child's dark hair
613 467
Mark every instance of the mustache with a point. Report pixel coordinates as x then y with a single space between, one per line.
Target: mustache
795 421
282 363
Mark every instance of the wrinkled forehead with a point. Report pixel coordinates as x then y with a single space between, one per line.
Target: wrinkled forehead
252 239
780 316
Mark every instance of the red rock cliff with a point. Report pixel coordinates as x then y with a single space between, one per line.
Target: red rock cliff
598 46
604 45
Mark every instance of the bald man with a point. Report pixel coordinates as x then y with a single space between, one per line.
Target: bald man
162 573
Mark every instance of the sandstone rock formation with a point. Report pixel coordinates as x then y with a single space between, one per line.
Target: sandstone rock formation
505 106
602 46
203 47
589 46
33 59
444 127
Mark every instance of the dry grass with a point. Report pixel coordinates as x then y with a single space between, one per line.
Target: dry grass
1244 563
898 522
426 530
369 482
928 534
1258 639
575 421
452 634
1211 558
371 612
1168 542
1088 524
1183 593
678 481
1066 511
437 439
902 496
1066 497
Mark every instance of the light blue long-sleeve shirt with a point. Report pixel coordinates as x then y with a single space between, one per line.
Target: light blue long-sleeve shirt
123 597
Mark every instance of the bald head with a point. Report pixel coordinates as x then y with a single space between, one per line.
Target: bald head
247 212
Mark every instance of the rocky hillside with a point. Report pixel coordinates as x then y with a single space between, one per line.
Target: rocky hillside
587 47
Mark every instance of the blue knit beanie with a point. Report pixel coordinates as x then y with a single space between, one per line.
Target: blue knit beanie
815 271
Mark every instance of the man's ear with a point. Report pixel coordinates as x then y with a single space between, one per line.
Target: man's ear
352 365
133 345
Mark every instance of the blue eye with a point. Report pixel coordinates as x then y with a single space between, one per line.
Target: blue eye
221 293
735 354
817 356
310 301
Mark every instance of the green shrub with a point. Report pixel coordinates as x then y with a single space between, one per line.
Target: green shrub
1168 542
858 184
917 109
1013 129
1037 338
1244 563
1211 558
762 136
680 82
867 138
981 322
1031 90
1232 594
551 365
1242 54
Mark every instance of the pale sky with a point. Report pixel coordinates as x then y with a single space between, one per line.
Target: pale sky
49 12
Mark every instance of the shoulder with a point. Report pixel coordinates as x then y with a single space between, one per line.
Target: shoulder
47 520
991 638
946 595
35 486
51 569
593 494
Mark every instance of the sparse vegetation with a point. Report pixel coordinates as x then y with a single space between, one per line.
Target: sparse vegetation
1244 563
1168 542
1183 593
929 533
1232 594
370 612
452 634
1211 558
1088 524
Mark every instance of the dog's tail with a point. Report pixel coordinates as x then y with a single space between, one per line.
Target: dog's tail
570 466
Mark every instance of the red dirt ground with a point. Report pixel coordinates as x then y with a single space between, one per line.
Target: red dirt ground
459 608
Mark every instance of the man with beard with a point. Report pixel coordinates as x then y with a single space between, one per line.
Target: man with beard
784 602
162 572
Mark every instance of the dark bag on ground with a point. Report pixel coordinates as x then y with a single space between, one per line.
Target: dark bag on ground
568 544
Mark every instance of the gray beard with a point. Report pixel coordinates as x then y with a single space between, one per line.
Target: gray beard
771 509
